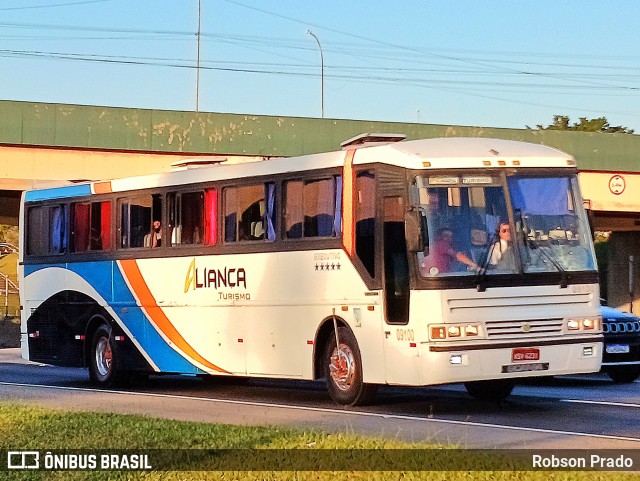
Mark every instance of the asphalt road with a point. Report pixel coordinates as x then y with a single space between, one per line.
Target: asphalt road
579 412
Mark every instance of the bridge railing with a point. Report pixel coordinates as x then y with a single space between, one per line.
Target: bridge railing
7 248
9 296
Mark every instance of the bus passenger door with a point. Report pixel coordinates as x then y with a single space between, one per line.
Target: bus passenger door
400 345
396 265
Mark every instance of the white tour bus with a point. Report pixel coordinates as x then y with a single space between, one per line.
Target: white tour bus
390 262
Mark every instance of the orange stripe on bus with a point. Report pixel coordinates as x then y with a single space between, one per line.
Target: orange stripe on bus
157 315
102 187
348 237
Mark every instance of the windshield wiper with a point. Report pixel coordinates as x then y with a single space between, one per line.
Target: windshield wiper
564 277
531 243
484 264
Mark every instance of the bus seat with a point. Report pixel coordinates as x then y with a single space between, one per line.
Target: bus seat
295 231
176 235
257 230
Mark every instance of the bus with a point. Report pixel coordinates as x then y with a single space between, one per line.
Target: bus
384 263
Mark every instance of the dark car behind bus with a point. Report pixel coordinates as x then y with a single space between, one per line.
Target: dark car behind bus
621 355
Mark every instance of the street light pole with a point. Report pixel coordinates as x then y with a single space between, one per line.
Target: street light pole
198 63
321 68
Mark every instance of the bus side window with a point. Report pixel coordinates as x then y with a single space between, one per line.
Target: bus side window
92 226
313 208
249 213
365 208
135 221
37 223
186 218
47 230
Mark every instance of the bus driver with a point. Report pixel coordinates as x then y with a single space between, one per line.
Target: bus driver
442 255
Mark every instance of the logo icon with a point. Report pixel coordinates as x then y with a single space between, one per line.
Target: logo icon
23 460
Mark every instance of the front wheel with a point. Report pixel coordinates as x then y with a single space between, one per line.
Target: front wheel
343 371
494 390
104 370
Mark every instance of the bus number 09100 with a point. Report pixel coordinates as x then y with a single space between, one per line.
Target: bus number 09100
405 335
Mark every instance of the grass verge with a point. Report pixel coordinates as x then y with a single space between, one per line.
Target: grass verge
33 428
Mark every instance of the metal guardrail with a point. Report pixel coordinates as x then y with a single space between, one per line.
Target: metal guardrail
7 285
7 288
7 248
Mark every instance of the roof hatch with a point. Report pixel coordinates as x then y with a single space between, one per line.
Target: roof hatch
367 140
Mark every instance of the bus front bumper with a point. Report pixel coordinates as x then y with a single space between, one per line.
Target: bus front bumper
457 362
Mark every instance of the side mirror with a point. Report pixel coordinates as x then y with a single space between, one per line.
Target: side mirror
415 224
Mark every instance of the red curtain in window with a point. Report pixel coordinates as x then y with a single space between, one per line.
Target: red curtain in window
211 216
81 227
105 225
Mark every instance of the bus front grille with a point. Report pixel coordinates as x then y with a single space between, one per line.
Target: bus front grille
524 328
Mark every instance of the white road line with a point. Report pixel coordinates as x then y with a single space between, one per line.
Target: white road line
603 403
331 411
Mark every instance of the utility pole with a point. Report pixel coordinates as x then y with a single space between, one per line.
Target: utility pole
198 63
321 68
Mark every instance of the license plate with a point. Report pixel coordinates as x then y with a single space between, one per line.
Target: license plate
617 348
519 355
533 366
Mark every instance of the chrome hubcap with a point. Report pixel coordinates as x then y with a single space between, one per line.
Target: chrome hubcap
342 367
104 356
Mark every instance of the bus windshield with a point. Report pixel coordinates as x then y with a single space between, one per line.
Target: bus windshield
554 232
468 229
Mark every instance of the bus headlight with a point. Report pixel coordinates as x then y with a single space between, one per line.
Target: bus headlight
573 324
586 324
448 331
471 330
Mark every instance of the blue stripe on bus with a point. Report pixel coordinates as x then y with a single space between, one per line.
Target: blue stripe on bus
58 192
163 355
107 280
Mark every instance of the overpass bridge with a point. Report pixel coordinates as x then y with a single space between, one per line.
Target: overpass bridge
44 143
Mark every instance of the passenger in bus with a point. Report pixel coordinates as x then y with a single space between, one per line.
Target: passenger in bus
502 254
442 255
154 238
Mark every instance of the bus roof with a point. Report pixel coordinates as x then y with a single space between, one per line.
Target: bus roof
454 152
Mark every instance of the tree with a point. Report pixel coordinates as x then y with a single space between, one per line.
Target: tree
600 124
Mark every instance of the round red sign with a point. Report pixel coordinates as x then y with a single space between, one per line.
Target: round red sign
617 184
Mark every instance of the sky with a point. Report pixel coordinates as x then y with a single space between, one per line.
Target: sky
454 62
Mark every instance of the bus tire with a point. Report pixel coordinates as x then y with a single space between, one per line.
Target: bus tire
103 358
494 390
343 371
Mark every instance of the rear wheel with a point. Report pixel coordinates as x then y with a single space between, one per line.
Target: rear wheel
104 370
495 390
624 374
343 371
